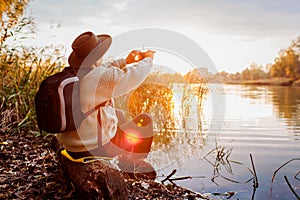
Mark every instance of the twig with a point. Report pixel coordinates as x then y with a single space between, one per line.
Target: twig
198 176
177 179
169 176
274 174
290 186
253 193
255 180
296 176
12 180
226 194
180 178
231 180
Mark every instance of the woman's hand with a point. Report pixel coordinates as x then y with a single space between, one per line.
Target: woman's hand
134 56
148 54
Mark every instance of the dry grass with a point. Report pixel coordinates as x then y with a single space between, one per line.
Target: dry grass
22 69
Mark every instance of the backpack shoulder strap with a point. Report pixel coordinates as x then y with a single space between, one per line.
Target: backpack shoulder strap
80 74
95 108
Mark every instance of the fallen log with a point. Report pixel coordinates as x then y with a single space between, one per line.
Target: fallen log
94 180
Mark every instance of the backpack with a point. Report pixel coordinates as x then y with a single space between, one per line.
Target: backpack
57 102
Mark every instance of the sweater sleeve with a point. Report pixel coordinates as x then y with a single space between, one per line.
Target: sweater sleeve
129 78
107 82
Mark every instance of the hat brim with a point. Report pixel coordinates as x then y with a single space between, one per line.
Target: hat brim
104 42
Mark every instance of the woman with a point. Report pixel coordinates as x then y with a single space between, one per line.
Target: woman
104 131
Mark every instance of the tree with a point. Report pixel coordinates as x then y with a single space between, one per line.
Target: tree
22 68
295 45
277 69
287 64
195 76
235 77
254 72
246 74
257 71
11 12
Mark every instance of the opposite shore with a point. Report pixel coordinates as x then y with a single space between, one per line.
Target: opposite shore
270 82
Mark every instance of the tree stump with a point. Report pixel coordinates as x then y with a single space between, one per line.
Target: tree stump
94 180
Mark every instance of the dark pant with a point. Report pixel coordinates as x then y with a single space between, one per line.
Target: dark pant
132 139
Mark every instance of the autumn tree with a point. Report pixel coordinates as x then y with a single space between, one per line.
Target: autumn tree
197 75
235 77
295 45
22 68
287 63
12 20
254 72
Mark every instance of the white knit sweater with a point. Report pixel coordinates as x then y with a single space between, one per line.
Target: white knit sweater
102 84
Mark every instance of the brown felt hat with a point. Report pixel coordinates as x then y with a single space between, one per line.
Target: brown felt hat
88 48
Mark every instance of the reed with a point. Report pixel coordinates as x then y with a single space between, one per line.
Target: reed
22 69
157 97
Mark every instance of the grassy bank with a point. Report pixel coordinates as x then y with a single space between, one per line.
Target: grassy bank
271 82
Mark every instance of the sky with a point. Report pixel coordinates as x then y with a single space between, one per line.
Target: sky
233 33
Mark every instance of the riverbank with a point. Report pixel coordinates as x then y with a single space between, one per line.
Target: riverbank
271 82
30 170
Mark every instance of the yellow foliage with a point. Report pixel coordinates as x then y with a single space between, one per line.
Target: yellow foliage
15 7
10 13
149 95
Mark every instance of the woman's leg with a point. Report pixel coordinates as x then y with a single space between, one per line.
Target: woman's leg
107 149
133 138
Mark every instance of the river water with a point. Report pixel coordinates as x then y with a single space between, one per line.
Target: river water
236 121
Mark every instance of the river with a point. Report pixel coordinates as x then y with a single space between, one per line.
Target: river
236 121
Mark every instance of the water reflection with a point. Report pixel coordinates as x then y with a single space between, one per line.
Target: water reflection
286 101
175 139
260 120
255 92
